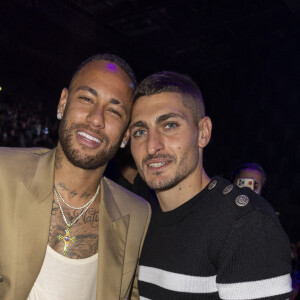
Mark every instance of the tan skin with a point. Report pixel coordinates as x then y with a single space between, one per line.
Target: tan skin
100 97
162 125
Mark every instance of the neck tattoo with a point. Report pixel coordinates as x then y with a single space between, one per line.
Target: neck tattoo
67 238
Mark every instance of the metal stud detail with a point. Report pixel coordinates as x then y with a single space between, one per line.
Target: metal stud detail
228 189
241 200
212 184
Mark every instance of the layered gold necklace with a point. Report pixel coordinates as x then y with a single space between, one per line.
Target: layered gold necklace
67 237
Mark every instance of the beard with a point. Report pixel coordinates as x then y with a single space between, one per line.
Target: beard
184 169
76 156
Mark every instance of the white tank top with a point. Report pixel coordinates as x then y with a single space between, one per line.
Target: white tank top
65 278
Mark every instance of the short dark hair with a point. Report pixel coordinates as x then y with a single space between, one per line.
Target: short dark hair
251 166
111 58
172 82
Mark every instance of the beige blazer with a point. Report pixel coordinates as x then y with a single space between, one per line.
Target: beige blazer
26 195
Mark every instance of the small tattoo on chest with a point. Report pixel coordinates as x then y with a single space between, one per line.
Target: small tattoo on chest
91 217
85 195
73 193
63 186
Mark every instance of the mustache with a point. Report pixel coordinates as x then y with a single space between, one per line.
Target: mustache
161 155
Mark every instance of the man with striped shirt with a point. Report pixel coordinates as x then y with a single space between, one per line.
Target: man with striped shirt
209 239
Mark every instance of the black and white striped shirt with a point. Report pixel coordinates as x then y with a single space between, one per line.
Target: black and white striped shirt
218 245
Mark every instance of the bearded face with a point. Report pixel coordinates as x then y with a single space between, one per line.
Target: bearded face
81 157
95 113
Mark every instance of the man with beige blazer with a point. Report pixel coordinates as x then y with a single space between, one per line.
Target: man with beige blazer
66 231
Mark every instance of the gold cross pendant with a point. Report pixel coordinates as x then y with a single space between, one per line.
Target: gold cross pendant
66 239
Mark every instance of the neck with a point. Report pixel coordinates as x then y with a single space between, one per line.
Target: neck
75 184
183 191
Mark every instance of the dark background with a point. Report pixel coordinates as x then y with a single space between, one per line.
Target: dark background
244 54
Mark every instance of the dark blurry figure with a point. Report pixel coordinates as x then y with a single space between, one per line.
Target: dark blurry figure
252 171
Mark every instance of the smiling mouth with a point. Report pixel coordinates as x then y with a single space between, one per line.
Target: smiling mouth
88 137
157 165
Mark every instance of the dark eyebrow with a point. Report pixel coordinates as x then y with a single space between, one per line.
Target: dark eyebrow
117 102
87 88
159 119
94 92
138 124
165 117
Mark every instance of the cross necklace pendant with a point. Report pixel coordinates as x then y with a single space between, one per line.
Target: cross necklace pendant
66 238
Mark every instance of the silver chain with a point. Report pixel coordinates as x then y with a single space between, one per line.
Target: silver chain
78 217
82 207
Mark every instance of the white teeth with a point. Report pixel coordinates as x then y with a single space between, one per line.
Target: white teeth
89 137
157 165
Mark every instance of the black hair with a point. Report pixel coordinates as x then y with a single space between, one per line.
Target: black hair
111 58
172 82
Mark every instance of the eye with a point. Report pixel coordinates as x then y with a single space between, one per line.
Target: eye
116 112
86 99
171 125
139 133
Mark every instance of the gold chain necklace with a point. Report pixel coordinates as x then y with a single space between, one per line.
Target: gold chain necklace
67 238
78 208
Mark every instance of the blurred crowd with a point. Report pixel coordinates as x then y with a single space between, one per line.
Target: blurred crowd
24 123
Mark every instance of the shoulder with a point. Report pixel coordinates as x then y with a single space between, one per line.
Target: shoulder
15 159
246 221
240 201
9 152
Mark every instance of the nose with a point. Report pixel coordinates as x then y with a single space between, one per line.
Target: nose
154 142
96 117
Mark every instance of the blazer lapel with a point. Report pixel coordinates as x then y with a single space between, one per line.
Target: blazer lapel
113 229
33 221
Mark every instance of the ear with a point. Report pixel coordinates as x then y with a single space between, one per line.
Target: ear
125 139
205 128
63 101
